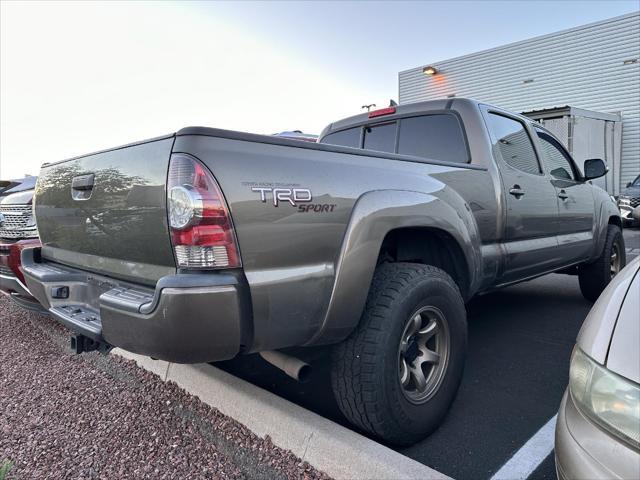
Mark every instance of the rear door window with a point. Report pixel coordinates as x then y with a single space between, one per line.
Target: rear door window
514 143
381 138
345 138
437 137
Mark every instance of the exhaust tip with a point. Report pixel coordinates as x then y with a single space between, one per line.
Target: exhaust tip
294 367
304 373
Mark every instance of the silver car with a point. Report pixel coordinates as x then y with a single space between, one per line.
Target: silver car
598 427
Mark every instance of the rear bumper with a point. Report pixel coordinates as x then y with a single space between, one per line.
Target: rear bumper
186 318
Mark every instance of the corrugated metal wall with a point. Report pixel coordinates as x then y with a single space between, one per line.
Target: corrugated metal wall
589 67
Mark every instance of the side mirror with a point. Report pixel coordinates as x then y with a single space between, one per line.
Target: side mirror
594 168
628 185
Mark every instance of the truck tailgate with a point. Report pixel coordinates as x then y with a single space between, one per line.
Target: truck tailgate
106 212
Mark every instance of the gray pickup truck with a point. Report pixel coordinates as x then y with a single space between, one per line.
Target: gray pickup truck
205 244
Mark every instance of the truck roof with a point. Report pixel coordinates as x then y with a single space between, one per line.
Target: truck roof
403 110
407 108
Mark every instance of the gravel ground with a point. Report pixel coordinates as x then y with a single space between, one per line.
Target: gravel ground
94 416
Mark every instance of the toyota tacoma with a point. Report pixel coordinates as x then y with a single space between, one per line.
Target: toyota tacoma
205 244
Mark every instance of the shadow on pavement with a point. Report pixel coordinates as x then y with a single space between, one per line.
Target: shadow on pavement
520 341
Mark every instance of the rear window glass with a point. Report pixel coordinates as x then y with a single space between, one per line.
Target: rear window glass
381 138
437 137
345 138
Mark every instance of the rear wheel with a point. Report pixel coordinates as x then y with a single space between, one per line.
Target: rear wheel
397 374
595 276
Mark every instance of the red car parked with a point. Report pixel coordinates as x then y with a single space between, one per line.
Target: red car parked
17 231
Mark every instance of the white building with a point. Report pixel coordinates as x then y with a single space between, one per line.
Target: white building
594 67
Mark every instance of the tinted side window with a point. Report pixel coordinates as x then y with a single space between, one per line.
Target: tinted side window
345 138
381 138
514 143
554 157
438 137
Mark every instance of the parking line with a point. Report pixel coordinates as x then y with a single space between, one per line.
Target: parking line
530 456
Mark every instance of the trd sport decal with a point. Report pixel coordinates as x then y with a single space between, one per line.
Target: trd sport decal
291 195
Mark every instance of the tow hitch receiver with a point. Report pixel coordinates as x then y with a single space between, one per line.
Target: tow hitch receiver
80 344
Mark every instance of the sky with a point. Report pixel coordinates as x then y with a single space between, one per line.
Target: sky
79 77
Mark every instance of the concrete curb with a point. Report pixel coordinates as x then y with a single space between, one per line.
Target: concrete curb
336 450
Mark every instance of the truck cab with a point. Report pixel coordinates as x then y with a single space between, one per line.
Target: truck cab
546 208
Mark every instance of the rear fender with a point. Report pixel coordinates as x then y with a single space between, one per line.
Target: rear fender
375 214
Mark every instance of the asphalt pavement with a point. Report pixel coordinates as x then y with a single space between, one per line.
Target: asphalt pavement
520 341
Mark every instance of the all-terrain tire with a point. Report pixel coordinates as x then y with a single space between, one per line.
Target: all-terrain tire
364 372
595 276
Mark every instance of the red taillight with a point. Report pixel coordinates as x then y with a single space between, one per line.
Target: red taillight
382 111
201 230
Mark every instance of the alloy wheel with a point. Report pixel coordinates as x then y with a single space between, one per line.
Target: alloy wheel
423 354
614 260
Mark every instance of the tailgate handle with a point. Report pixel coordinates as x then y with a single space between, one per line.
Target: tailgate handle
83 182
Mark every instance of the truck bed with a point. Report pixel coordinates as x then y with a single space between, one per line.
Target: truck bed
290 252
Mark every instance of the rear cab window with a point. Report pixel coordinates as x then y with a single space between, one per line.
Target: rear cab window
381 137
344 138
434 136
438 137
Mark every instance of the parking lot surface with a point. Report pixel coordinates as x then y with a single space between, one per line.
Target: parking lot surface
520 341
95 416
91 416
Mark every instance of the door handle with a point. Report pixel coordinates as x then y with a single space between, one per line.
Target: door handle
83 182
516 191
82 186
563 195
